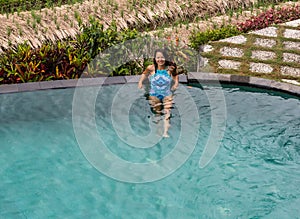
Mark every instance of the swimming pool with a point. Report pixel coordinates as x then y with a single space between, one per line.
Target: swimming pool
255 173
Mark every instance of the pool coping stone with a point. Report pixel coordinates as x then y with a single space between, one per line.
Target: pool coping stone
191 77
8 88
30 86
244 80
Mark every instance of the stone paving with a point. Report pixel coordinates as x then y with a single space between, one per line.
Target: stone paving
280 44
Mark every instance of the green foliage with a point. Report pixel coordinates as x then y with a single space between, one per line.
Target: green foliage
61 60
200 38
71 58
50 61
184 57
9 6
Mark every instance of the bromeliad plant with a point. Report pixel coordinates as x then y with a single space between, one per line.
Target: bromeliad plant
65 59
49 62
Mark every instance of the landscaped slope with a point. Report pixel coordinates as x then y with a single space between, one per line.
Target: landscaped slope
61 22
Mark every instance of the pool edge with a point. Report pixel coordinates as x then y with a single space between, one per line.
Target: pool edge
191 77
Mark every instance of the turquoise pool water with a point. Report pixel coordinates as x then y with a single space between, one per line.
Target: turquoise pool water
255 173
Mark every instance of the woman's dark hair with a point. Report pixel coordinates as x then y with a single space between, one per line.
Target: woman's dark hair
168 62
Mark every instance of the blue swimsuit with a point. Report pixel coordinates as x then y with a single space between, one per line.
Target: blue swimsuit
160 84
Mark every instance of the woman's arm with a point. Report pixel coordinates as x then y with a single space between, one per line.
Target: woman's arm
175 78
172 71
144 76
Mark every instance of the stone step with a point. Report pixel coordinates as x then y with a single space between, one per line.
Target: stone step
285 53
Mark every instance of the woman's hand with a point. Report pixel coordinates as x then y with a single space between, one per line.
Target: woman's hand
171 69
145 74
174 87
176 82
140 85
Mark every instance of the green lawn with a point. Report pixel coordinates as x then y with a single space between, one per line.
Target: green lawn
10 6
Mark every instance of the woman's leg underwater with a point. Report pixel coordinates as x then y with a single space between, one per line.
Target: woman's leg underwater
156 104
167 102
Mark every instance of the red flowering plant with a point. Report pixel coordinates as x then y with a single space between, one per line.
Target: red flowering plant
269 17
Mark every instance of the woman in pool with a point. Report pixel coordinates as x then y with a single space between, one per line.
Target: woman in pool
161 74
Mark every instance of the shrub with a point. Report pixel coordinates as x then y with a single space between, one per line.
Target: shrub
50 61
60 60
269 17
201 38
